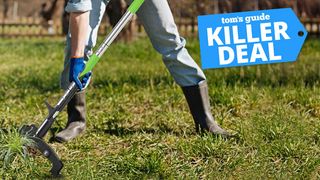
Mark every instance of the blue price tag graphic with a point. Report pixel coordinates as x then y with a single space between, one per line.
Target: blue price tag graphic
250 38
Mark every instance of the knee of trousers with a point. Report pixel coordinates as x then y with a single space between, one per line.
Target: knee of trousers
181 65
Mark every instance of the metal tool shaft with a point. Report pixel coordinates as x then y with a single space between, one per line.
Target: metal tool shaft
114 33
72 89
53 112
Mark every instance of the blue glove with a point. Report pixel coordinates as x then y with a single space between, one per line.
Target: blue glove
77 65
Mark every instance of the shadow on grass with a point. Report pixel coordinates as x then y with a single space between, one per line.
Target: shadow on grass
51 83
114 129
42 82
134 80
228 77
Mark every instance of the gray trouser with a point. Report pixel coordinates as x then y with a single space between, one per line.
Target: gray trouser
158 23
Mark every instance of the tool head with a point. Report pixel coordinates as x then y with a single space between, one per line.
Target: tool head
40 147
28 130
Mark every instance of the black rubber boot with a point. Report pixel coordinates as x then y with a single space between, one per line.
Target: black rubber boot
76 118
198 100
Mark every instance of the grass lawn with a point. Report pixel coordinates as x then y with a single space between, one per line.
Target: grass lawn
139 125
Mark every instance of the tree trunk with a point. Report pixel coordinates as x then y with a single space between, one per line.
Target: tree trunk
115 10
65 20
5 9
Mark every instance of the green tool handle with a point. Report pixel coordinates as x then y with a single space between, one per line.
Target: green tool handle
135 5
94 59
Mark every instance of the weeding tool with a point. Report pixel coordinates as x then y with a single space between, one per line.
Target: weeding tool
37 134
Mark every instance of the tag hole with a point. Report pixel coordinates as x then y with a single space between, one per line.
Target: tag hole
300 33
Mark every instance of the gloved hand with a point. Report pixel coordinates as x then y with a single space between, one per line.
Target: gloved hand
77 65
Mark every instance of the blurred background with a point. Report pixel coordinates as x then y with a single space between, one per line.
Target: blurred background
47 17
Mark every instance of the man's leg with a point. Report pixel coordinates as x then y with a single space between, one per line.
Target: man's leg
159 24
76 108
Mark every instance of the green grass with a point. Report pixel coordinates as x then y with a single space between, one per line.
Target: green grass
12 144
139 124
